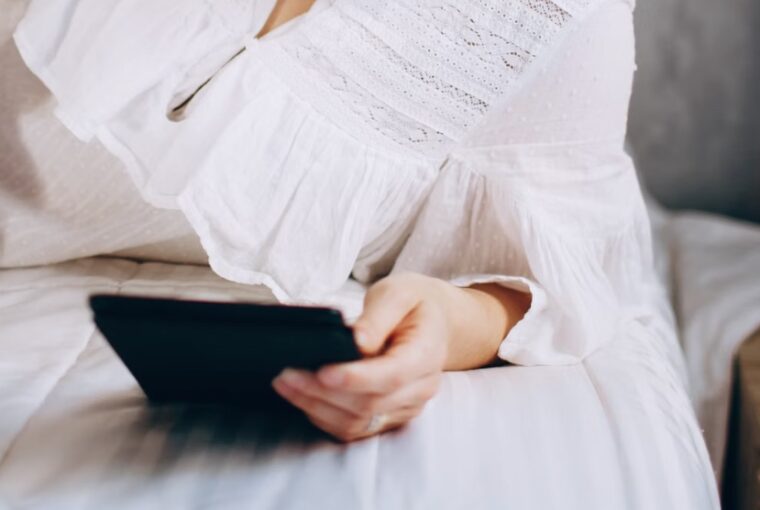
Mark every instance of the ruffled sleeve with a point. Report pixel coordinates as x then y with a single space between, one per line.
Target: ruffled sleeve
566 225
301 155
542 198
98 56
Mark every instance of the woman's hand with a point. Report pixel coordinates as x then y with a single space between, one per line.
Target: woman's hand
413 327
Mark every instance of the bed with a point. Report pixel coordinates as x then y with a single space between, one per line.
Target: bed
718 300
76 431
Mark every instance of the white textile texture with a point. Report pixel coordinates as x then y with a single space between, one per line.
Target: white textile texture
375 137
471 140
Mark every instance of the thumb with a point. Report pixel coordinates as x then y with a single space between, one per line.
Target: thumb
385 306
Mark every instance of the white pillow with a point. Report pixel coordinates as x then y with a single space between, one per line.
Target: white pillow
60 198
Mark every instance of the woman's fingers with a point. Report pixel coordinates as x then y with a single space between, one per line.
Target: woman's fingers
402 364
380 375
410 399
347 416
307 383
363 405
331 419
317 409
386 303
417 349
400 311
394 421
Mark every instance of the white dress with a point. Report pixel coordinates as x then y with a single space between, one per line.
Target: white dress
471 140
475 141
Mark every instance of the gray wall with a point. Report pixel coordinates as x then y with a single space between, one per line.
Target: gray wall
695 115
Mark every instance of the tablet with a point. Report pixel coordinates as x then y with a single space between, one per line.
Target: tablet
218 352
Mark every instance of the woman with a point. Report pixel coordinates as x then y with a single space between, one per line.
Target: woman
464 158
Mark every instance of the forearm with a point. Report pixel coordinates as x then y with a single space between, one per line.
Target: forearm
480 317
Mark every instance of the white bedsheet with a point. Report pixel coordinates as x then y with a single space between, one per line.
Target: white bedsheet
75 432
716 271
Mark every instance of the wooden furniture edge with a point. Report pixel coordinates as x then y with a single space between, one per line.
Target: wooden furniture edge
741 476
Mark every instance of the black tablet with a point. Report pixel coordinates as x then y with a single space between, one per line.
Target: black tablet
214 352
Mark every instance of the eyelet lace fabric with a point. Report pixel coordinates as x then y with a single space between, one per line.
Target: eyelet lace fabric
417 76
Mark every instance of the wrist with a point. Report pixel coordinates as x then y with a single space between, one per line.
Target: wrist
480 317
475 320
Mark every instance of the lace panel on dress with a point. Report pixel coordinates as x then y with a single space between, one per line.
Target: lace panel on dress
416 75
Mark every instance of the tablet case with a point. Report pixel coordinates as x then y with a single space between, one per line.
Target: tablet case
218 353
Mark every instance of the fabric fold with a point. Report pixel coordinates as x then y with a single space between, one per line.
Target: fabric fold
562 223
277 193
99 57
294 158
